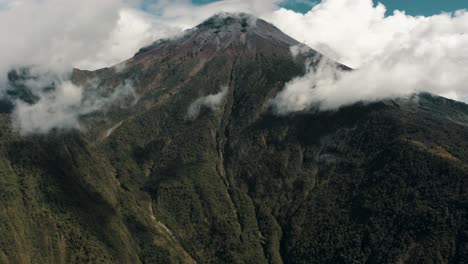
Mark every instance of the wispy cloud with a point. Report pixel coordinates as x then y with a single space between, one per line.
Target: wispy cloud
212 101
44 100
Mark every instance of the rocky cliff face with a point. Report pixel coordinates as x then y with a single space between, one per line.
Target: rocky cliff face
199 169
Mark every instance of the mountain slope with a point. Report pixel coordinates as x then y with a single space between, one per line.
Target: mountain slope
182 176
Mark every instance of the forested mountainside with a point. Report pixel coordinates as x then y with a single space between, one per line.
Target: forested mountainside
175 178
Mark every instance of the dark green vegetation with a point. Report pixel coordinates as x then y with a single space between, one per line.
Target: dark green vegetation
378 183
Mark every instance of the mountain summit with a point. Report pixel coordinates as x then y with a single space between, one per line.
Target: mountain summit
199 169
235 30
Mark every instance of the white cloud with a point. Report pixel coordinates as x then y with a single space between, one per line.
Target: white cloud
212 101
54 33
394 56
133 30
54 110
59 35
62 103
299 49
53 36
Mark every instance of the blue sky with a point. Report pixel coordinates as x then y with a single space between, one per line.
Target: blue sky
412 7
425 7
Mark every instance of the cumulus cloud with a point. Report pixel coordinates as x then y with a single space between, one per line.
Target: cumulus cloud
59 35
212 101
304 92
394 56
133 30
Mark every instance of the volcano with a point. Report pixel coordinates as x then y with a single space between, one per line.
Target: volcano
199 169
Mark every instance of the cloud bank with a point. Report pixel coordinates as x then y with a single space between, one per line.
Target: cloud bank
393 56
59 35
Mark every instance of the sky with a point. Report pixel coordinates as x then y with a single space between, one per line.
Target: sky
425 7
394 50
411 7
